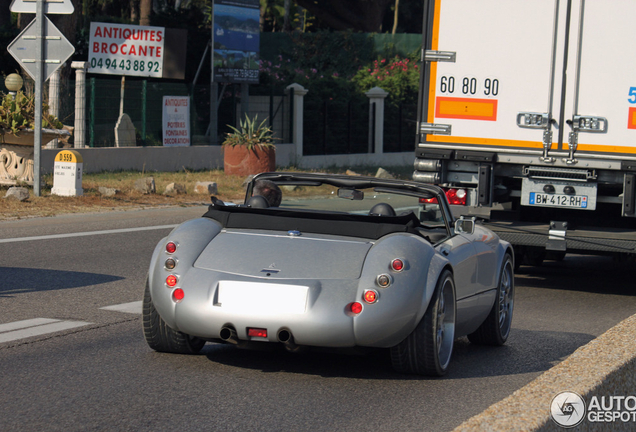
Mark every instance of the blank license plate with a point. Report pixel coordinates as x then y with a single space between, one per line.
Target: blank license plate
262 298
558 200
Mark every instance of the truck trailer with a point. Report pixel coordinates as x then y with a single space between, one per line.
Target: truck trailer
527 118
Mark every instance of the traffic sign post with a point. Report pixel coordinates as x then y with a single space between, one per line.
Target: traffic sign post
51 50
56 48
50 6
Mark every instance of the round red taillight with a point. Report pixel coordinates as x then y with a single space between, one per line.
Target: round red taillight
171 280
370 296
397 264
178 295
356 307
171 247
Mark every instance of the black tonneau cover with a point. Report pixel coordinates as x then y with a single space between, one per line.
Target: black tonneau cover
341 224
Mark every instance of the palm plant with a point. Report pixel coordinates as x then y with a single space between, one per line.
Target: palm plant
250 135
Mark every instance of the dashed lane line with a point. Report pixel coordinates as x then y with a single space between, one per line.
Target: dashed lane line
39 326
132 307
35 327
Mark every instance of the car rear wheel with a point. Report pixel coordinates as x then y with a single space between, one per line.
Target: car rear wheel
427 350
160 337
496 328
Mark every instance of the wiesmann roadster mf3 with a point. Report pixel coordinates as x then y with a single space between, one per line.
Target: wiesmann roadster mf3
315 260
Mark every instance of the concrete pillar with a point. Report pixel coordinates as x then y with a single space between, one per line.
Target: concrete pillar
376 130
79 132
54 94
299 93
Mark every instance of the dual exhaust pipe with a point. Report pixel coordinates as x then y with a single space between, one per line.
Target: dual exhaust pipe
284 336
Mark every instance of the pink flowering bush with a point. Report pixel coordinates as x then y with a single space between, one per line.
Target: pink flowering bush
398 76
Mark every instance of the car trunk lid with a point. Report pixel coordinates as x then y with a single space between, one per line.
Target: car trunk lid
284 255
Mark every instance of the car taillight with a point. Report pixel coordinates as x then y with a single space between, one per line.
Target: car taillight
171 247
370 296
397 265
355 307
178 295
171 280
456 196
170 263
257 332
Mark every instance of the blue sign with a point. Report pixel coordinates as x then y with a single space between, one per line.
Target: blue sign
236 41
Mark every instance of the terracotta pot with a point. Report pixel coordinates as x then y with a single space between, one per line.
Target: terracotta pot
238 160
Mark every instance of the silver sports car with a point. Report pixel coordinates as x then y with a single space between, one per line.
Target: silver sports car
316 260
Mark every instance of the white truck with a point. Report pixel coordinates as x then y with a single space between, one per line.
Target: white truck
527 116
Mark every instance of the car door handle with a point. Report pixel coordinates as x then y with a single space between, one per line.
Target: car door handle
445 252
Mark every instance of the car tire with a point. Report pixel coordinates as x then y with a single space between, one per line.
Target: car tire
427 350
160 337
496 328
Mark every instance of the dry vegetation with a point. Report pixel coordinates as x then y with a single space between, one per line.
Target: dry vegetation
230 188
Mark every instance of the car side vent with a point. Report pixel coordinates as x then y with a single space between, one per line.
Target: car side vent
550 173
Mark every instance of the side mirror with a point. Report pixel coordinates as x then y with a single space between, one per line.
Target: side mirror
463 225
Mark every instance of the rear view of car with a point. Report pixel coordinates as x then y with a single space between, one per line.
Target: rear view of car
337 262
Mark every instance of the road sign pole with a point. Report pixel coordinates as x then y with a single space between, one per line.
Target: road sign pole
39 67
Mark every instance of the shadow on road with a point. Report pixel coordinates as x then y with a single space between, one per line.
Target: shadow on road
592 274
526 352
16 280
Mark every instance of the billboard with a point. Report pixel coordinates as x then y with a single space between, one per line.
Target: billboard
118 49
236 41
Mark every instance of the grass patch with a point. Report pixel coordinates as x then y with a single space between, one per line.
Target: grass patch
230 188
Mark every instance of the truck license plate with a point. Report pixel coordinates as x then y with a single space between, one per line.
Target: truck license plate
556 200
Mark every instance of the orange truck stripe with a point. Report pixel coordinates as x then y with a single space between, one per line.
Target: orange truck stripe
466 108
631 120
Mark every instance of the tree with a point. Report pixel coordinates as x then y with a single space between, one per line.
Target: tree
358 15
5 15
145 8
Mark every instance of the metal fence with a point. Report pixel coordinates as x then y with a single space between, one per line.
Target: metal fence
331 125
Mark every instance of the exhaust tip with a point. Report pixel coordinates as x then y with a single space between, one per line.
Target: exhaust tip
285 336
228 334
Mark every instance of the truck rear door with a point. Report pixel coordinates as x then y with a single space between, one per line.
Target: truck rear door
502 64
547 77
601 101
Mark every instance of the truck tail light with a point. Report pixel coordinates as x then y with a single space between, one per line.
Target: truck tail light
456 196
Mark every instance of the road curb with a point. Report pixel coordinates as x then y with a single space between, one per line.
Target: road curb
605 366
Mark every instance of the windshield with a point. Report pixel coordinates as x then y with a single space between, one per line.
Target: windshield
372 201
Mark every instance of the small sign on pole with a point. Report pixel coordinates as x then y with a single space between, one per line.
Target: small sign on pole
176 121
67 173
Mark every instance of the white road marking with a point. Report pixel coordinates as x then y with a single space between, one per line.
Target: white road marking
16 325
35 327
132 307
88 233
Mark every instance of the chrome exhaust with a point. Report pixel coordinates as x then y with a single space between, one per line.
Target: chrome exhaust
286 338
228 334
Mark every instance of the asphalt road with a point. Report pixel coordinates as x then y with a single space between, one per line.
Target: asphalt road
97 373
